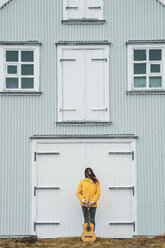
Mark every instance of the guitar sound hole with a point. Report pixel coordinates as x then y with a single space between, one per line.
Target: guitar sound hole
88 228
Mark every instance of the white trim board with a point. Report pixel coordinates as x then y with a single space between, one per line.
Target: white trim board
162 1
3 2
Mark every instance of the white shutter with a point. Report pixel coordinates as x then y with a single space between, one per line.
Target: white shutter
94 9
73 9
71 85
96 83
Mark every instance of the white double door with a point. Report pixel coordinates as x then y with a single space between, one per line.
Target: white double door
57 170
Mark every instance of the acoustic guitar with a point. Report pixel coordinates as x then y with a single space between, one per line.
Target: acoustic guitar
88 234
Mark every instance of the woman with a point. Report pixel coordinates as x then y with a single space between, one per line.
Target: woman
88 193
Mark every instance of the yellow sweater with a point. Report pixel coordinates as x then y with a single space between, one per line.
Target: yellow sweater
89 191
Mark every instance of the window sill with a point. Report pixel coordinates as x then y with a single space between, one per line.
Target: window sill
145 92
83 123
16 93
83 21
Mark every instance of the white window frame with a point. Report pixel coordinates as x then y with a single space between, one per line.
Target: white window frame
4 63
131 48
65 12
60 49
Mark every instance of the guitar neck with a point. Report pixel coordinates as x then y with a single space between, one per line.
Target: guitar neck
88 215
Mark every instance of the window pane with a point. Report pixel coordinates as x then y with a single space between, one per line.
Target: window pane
139 82
155 54
27 56
139 55
155 68
12 69
11 83
139 68
12 56
27 69
155 82
27 83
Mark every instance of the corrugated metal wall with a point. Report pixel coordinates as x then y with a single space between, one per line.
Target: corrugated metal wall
23 116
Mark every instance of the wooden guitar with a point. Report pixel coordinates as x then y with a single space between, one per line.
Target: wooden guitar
88 234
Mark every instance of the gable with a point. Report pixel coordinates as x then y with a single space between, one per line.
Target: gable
3 2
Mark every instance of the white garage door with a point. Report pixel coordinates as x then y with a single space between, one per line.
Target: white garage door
57 169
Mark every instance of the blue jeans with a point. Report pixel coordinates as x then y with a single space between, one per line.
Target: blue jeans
92 215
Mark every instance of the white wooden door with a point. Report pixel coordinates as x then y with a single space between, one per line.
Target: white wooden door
114 166
56 210
57 170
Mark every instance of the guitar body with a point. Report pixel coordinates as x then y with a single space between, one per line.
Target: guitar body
88 234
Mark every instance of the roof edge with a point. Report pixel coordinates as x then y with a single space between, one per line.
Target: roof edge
3 2
161 1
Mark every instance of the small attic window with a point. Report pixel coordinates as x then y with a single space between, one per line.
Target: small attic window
82 10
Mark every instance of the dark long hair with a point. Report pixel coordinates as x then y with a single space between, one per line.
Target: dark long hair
92 176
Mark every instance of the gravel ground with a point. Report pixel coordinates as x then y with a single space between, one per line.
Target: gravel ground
140 242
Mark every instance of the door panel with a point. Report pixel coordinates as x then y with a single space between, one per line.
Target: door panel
121 205
120 164
50 210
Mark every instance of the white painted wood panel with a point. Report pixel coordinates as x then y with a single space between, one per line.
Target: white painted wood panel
96 85
82 9
72 85
74 9
94 9
59 205
112 170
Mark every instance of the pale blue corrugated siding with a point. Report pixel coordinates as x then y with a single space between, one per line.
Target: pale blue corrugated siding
23 116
